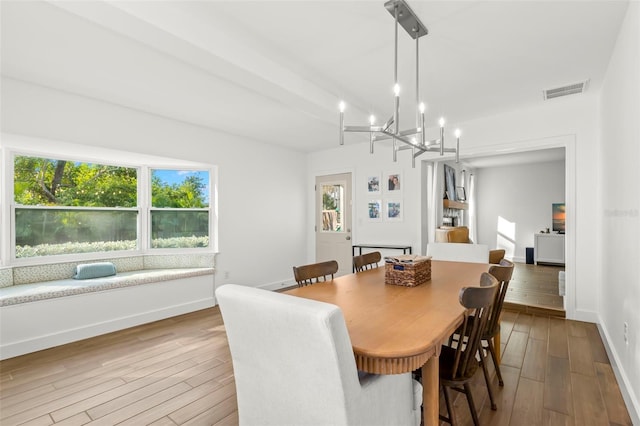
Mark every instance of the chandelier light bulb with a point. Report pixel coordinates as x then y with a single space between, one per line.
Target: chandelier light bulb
396 89
457 133
342 106
422 107
441 122
372 119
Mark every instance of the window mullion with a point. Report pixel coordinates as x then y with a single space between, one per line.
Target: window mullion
144 204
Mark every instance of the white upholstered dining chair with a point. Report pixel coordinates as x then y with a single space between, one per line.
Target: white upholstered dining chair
476 253
294 365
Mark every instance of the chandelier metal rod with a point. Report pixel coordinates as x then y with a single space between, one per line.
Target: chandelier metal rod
396 86
374 129
388 123
401 133
418 102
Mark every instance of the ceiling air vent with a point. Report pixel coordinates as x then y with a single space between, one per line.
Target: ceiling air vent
569 89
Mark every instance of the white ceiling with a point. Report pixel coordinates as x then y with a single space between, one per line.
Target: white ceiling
274 71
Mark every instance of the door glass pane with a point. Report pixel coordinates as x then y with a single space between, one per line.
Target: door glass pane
332 207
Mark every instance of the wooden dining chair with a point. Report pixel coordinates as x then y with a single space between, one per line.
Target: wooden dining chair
491 336
458 363
366 261
315 272
490 339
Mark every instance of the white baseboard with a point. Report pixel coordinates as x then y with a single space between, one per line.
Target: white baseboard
33 326
629 396
585 316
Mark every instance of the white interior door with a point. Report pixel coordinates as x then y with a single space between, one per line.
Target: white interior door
333 220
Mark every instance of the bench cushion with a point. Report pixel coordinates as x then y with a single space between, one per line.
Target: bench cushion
25 293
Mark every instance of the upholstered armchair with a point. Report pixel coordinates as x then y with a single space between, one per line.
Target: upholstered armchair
294 365
495 256
453 234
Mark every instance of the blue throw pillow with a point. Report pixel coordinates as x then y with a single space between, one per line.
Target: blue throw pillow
94 270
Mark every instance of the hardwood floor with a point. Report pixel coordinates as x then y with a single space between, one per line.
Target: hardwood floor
179 372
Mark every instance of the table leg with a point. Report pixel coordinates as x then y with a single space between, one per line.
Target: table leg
353 254
496 345
431 392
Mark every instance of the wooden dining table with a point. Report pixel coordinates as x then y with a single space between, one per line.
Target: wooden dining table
396 329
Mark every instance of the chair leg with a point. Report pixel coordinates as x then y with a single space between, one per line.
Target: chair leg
483 363
472 407
495 363
450 410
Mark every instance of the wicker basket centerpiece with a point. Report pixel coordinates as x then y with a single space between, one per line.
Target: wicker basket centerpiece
407 270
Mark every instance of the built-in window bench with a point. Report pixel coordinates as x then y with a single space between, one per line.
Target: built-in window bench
42 306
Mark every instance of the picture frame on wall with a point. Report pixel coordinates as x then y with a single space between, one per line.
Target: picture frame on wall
373 184
393 210
374 210
394 181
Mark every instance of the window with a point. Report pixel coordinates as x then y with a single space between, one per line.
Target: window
65 207
179 208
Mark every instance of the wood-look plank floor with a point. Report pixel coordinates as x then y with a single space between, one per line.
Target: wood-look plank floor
179 372
534 289
555 371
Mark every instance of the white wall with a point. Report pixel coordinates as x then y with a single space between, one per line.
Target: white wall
261 188
355 158
518 198
619 210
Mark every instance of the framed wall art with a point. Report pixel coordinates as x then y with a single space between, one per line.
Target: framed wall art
393 210
374 210
449 183
394 181
373 184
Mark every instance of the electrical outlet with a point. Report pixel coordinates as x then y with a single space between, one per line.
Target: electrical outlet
626 333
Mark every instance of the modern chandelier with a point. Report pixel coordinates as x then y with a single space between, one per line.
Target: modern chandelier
413 139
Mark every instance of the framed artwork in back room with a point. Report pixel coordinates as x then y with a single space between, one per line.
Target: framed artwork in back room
449 183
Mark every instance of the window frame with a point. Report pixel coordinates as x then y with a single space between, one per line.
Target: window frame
80 153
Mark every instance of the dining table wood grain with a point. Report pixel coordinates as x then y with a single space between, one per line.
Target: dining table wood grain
397 329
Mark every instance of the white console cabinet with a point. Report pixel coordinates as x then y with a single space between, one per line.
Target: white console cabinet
549 248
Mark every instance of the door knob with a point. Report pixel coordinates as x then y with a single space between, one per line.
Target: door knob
347 237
